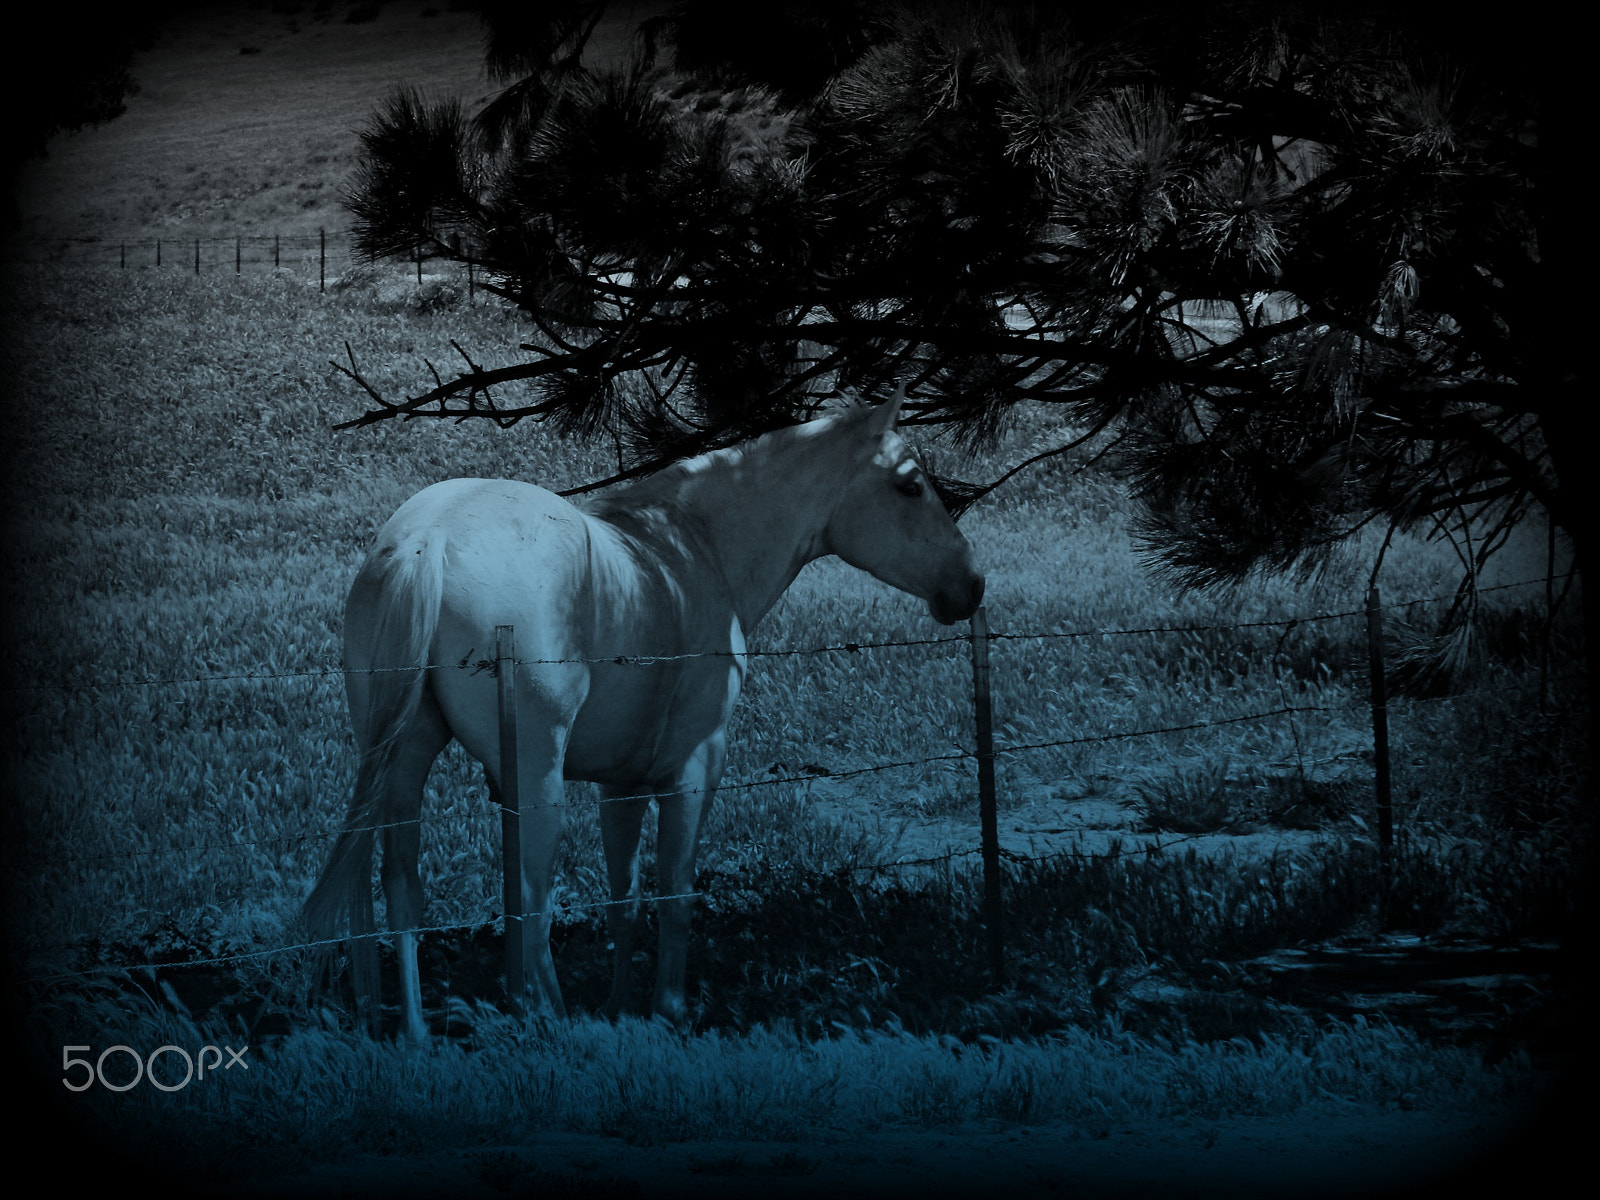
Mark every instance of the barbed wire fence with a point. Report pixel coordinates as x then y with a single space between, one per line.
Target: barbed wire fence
983 755
323 255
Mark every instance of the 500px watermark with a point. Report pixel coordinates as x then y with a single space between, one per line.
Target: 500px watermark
194 1067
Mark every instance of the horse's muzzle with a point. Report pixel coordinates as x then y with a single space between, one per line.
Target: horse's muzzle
957 603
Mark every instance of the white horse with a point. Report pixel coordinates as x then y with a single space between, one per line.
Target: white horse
684 563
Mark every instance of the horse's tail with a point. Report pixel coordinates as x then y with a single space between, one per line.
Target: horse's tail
406 586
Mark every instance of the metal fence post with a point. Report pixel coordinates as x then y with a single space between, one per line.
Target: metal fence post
237 243
992 911
197 256
275 252
510 811
158 252
1380 720
322 260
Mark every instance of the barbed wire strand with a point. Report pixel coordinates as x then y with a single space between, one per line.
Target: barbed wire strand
500 920
815 776
1289 622
735 786
1009 856
808 777
272 951
489 664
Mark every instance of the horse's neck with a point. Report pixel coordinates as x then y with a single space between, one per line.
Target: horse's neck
762 508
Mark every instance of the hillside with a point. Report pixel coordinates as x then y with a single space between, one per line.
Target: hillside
247 116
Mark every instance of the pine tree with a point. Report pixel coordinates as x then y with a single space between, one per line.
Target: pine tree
1297 269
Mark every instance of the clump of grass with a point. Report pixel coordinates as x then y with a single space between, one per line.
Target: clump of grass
1537 775
1300 799
1194 799
386 287
319 1094
1086 937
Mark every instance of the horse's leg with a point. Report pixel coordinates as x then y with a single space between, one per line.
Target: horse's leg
620 819
544 719
682 812
514 988
542 805
425 735
548 700
540 825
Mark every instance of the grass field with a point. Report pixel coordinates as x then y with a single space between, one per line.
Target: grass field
247 115
245 120
182 524
186 513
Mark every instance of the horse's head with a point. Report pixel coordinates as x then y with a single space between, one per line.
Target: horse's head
890 523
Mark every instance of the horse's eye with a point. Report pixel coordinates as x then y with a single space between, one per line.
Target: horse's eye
909 487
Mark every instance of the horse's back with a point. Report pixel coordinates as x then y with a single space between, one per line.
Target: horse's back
579 592
463 508
505 552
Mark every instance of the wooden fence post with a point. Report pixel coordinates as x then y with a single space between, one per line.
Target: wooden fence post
237 241
197 256
275 252
322 260
1380 720
510 812
419 264
992 911
158 252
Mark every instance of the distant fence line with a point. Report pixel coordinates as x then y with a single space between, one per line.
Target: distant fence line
984 754
307 252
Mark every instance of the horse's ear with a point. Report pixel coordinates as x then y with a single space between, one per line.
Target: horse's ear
882 418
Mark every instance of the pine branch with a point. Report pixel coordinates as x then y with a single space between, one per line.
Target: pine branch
475 386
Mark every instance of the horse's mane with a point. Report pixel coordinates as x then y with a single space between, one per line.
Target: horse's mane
667 492
660 489
667 485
